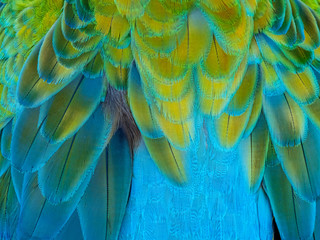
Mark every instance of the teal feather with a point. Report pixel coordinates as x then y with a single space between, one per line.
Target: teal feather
119 161
39 219
62 176
17 181
63 47
301 163
71 108
72 229
295 217
9 207
71 16
4 164
83 10
140 108
287 123
103 205
32 90
49 67
93 207
6 140
316 234
29 149
279 14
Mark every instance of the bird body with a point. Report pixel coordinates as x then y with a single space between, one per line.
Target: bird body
85 84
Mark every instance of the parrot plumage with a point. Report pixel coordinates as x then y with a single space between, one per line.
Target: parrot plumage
86 84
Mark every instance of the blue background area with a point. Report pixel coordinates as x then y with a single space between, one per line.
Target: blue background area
214 204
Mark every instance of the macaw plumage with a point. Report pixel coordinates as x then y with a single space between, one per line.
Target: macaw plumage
223 90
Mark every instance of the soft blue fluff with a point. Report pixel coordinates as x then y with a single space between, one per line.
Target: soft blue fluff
215 204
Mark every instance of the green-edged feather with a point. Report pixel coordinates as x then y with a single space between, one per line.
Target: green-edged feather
301 163
63 174
29 149
295 217
287 123
139 106
71 107
32 90
6 137
119 167
9 207
169 159
253 152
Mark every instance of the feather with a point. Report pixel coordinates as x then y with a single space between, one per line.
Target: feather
117 76
298 56
93 207
83 10
180 110
287 123
39 219
65 171
169 159
256 110
140 108
195 42
279 9
229 129
233 34
219 64
253 153
311 30
71 34
94 69
301 164
29 149
71 16
272 84
62 46
72 229
119 167
4 164
131 8
313 112
118 56
295 217
316 234
6 137
49 68
71 108
178 134
32 90
17 181
9 207
272 53
303 87
97 217
245 93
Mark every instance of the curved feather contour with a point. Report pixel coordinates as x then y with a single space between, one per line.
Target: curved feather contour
287 123
6 137
253 152
301 164
119 167
9 207
71 107
177 63
65 171
168 158
36 211
139 106
295 217
32 90
30 150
